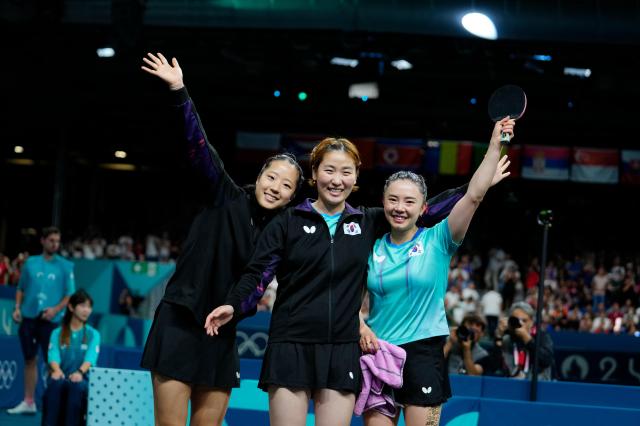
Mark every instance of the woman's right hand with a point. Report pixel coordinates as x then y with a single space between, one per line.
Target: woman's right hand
57 375
217 318
170 73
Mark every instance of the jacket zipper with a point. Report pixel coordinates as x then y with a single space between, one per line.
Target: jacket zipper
331 290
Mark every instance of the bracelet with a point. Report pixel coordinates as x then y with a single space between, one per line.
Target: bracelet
80 371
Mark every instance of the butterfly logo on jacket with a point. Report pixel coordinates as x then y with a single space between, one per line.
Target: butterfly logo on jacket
309 229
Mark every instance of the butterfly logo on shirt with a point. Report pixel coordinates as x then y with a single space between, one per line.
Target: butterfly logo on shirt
352 228
416 250
309 229
379 258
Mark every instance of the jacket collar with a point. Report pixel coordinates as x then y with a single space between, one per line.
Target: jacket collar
306 206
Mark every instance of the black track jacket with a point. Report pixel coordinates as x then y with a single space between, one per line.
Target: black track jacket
320 278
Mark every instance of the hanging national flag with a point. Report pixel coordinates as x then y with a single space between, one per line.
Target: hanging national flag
630 167
514 152
399 153
431 162
545 162
367 149
455 157
595 165
256 147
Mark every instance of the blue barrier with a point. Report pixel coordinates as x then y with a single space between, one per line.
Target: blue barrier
476 402
578 356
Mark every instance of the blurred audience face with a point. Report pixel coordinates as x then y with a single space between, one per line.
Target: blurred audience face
525 320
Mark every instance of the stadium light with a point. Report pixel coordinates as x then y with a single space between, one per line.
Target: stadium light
480 25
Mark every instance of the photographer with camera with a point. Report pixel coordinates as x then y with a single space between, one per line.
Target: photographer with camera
516 336
463 353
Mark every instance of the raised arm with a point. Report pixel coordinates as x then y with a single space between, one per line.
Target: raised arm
482 179
441 205
202 155
259 272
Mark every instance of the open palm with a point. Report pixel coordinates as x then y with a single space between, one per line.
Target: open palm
171 73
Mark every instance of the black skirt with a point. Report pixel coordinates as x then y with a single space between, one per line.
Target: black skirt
179 348
312 366
425 376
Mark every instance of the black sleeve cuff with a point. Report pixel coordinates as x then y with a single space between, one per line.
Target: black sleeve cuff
179 97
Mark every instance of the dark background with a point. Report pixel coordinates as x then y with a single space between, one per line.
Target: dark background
71 110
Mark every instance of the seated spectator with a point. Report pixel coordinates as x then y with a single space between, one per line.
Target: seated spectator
491 304
515 336
463 353
73 350
5 270
129 303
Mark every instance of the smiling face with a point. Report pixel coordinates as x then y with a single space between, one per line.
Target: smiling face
335 178
403 204
276 185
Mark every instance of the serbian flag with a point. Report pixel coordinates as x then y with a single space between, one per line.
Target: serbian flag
545 162
397 154
256 147
595 165
630 167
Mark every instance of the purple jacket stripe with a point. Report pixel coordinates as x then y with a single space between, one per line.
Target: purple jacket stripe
198 150
267 276
441 209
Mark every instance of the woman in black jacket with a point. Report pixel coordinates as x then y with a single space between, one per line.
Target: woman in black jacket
319 250
186 364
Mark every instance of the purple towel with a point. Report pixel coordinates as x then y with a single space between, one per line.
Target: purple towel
379 369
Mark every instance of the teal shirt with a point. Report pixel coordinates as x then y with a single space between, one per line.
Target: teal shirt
407 284
332 221
84 347
45 283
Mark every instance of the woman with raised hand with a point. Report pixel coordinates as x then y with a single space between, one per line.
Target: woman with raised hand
319 250
407 281
186 364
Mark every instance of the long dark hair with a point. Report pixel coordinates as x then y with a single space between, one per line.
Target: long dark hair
76 298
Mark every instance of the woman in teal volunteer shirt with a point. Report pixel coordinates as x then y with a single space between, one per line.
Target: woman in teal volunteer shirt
73 349
407 281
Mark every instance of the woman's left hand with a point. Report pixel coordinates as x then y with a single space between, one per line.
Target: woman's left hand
368 340
501 170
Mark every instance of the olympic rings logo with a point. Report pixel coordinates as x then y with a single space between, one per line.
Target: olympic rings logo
8 373
256 343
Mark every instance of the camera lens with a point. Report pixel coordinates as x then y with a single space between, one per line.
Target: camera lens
514 322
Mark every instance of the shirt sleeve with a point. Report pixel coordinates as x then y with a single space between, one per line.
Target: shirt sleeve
24 276
53 354
69 280
444 239
261 270
93 350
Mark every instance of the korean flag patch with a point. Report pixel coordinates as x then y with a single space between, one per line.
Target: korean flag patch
352 228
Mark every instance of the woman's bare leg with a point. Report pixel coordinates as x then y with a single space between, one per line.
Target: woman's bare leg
288 407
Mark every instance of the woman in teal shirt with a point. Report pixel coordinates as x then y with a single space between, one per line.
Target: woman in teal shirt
407 280
73 349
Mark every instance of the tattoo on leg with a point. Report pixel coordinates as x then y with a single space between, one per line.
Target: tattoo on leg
433 416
